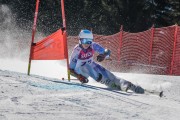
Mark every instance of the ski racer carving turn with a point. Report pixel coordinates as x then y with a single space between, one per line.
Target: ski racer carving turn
83 66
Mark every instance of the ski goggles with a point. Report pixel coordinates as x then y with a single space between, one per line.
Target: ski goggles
86 41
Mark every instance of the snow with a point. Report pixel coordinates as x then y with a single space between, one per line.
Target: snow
46 96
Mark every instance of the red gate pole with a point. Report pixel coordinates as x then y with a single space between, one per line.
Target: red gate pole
66 45
63 14
151 44
174 49
33 34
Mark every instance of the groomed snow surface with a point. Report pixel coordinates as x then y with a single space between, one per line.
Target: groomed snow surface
36 97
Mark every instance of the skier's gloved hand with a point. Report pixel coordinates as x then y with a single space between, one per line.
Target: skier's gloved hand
101 57
82 79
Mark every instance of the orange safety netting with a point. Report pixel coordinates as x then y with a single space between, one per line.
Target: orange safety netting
155 51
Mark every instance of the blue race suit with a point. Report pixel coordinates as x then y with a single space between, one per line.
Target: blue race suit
81 62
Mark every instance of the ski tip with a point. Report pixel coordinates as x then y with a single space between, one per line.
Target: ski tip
161 94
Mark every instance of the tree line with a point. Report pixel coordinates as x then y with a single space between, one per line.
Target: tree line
102 16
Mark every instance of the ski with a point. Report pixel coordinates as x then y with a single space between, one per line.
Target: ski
153 92
148 92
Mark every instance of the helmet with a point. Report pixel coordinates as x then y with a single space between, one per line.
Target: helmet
85 37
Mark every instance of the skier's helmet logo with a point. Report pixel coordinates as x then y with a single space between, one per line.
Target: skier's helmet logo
85 37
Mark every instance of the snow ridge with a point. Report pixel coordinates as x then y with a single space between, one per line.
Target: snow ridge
37 97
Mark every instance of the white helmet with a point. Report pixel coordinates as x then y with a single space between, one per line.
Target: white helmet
85 37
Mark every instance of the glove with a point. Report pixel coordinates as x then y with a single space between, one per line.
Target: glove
101 57
82 79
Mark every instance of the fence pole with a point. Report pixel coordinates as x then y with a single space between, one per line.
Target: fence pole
174 49
151 44
120 42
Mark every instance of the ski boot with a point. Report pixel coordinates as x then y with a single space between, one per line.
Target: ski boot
129 86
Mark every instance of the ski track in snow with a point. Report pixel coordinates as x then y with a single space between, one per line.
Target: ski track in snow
25 97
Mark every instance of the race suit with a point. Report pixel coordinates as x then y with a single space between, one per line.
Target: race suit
81 62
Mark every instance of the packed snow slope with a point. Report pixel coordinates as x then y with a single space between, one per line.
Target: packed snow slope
35 97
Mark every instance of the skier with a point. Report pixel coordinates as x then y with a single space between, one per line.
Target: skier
82 65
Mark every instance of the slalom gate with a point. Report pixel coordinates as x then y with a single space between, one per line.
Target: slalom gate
53 47
154 51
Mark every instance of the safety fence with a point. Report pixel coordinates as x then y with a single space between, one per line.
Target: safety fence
155 51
